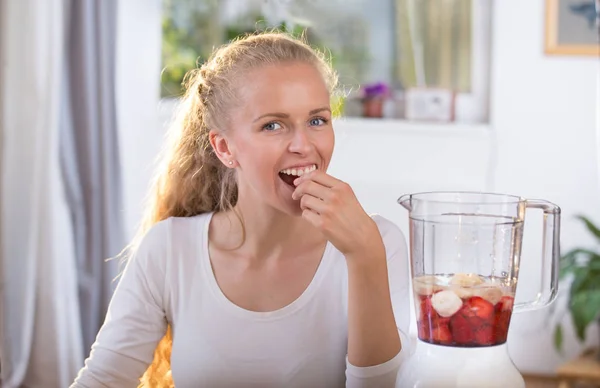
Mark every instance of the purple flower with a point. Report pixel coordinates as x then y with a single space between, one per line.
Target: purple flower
378 89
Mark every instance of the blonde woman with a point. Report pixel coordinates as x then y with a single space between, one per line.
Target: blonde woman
254 267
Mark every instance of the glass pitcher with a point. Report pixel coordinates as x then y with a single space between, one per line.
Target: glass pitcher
465 250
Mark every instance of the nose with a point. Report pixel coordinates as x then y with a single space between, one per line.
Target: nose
301 142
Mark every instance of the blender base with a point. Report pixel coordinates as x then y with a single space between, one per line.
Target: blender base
435 366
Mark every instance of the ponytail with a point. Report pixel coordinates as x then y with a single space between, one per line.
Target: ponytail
191 180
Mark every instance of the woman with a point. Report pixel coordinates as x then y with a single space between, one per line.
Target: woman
255 267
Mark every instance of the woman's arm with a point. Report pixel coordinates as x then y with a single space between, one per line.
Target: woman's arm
375 252
372 334
378 312
135 321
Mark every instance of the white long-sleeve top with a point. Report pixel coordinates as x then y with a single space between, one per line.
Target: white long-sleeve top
219 344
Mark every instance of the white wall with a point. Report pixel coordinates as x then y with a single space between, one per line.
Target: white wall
544 111
541 143
138 90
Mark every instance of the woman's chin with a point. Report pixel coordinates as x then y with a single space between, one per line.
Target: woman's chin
292 207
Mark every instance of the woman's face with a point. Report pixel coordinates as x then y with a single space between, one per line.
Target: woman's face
281 129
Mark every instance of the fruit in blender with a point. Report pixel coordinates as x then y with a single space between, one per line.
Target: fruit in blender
477 316
446 303
427 285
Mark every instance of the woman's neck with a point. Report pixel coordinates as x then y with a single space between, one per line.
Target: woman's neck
268 232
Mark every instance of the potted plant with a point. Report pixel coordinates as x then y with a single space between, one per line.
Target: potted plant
374 96
583 265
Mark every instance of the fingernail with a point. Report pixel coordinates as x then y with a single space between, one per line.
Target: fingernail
296 181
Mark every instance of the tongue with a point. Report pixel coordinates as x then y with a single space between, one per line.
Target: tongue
289 179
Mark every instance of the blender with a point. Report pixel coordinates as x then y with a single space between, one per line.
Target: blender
465 249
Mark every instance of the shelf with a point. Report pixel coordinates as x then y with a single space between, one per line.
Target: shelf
394 126
362 125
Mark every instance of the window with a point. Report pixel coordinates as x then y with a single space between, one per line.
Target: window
401 44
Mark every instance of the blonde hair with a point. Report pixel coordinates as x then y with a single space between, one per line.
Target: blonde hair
191 180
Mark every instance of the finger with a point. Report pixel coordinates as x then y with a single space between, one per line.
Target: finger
310 188
320 177
312 203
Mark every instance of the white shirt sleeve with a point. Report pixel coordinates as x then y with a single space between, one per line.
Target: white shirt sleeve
135 321
384 375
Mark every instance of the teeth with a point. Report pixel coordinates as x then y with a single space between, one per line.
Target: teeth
299 171
446 303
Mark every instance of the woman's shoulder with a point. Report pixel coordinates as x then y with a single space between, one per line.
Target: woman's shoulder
184 225
385 225
165 234
392 235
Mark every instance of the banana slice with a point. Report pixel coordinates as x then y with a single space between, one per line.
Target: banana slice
463 292
426 285
446 303
466 280
490 293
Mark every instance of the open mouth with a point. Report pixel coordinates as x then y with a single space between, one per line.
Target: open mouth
291 174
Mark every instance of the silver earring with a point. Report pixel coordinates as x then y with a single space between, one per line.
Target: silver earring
230 162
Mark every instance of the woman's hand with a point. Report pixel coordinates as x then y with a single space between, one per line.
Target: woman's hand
331 206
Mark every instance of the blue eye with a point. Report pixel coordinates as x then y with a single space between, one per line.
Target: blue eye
273 126
318 121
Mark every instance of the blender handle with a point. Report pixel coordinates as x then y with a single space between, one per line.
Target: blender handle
550 256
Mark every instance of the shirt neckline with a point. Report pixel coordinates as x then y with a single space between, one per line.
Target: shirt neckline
233 308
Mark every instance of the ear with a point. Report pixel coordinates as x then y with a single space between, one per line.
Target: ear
222 148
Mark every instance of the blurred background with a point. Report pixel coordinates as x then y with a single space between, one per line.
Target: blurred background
481 95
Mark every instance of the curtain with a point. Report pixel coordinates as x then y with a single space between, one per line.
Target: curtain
40 308
59 185
434 44
89 155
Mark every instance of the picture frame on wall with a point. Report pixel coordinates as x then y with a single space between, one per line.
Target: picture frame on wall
572 27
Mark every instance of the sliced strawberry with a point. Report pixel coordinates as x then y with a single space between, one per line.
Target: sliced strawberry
484 335
428 314
426 309
440 321
424 331
503 310
442 335
506 303
478 307
501 326
461 329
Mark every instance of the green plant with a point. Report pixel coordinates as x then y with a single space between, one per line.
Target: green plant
190 31
583 265
259 25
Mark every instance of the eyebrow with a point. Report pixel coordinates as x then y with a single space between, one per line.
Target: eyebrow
285 115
